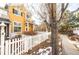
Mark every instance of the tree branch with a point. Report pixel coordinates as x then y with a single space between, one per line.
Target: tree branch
64 8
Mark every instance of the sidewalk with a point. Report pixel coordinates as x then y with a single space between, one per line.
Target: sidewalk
68 48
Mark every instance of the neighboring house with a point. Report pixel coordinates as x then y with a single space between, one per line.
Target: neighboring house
4 18
43 26
35 27
76 30
29 23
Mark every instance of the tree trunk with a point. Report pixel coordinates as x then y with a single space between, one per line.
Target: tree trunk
54 30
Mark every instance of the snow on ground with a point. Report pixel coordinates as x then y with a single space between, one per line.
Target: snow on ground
68 48
44 51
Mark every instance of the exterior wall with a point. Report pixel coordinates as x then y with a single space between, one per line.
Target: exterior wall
17 18
30 24
76 13
76 31
31 27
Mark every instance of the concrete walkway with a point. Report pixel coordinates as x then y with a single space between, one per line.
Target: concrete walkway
68 48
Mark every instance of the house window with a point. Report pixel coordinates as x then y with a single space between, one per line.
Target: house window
22 13
16 12
26 29
17 27
28 16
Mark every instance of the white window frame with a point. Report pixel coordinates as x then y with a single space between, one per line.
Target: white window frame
18 12
14 26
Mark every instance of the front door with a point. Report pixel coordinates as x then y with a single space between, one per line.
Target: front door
7 30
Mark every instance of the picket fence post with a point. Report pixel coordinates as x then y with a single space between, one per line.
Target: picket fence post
2 25
6 47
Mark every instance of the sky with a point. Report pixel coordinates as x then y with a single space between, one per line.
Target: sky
71 7
2 4
36 20
35 16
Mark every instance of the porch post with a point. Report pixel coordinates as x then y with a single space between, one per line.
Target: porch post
2 37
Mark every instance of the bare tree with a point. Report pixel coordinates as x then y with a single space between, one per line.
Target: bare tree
54 25
49 10
63 10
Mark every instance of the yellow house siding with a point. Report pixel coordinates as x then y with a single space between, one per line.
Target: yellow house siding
31 27
19 18
16 18
30 24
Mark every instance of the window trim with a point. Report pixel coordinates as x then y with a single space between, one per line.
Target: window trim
19 12
14 26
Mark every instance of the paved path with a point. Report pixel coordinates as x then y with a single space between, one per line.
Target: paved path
68 48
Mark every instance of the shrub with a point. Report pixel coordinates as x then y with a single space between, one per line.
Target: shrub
29 33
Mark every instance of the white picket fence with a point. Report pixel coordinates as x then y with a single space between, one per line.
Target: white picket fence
19 45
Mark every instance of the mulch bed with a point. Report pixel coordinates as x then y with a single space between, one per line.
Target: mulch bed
30 33
36 48
74 37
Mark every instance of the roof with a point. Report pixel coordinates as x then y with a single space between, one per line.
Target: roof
4 20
